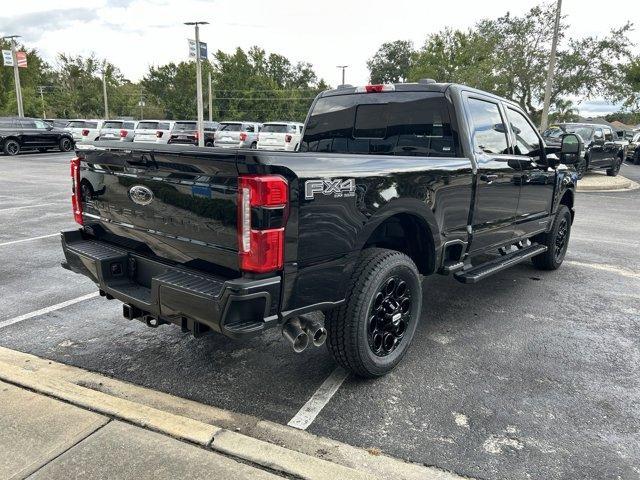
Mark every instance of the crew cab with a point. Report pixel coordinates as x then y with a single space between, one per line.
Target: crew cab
601 147
390 183
283 136
18 134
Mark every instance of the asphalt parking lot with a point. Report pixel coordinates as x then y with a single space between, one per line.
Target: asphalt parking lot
529 374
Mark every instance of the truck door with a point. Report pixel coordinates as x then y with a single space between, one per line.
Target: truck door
537 180
498 175
596 154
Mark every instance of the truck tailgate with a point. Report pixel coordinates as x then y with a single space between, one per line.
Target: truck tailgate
177 204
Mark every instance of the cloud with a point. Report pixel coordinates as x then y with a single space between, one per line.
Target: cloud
33 25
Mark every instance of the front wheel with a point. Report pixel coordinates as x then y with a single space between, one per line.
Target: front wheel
556 241
371 332
615 168
65 144
11 147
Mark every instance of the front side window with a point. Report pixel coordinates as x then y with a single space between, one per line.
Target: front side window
27 123
489 132
526 139
608 135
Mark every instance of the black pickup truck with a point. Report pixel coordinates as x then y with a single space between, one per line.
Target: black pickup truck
391 182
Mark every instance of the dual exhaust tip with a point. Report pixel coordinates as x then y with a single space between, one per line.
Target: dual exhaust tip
304 330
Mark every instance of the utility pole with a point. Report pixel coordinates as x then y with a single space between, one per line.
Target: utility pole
104 93
141 104
210 100
544 122
16 73
343 67
199 83
41 91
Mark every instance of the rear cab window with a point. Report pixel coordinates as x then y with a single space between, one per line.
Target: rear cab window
389 123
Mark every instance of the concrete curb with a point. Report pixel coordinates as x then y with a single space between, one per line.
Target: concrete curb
603 183
272 446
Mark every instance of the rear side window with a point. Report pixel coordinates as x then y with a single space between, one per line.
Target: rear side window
407 123
6 123
526 139
27 123
489 131
249 128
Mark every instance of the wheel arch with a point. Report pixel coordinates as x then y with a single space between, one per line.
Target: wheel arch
406 231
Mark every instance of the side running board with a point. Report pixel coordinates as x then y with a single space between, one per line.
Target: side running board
482 271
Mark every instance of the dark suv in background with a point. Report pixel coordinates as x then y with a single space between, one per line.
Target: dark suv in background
600 148
186 133
17 134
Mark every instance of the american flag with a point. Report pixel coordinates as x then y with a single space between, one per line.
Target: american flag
21 57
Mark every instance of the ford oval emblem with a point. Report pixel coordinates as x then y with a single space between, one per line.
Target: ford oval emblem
141 195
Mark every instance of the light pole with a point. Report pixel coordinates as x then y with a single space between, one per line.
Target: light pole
544 122
104 93
210 100
41 91
16 73
343 67
199 83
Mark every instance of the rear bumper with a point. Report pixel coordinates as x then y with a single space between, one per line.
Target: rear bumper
191 299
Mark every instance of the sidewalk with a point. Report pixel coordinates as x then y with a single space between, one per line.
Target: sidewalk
54 440
600 182
62 422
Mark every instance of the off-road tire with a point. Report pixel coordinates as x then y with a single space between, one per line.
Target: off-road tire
254 145
347 325
552 259
11 147
615 168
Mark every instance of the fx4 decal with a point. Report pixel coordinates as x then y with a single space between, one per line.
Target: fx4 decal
333 187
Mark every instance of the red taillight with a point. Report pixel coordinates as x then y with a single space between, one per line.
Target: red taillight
76 192
85 132
243 136
288 138
261 249
159 134
123 133
197 134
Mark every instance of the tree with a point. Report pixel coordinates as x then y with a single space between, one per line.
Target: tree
392 62
564 111
509 56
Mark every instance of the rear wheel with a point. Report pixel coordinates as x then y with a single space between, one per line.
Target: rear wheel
254 145
615 168
11 147
65 144
208 143
371 332
556 241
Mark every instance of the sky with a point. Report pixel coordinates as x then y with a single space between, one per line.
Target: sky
134 34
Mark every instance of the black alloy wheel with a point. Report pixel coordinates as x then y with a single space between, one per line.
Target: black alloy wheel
65 144
11 147
561 240
389 316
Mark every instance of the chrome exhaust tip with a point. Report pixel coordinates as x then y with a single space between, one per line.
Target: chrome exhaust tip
292 331
314 329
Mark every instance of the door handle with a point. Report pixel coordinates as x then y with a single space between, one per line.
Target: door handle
488 178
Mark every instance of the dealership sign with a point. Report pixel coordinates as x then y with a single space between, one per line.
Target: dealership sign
192 49
21 59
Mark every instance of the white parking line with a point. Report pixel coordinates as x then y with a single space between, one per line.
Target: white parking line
310 410
27 206
28 239
43 311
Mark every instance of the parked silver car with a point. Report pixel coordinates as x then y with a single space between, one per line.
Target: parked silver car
237 135
155 131
122 130
84 130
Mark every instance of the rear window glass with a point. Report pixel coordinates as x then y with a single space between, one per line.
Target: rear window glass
407 123
76 124
230 127
148 125
6 123
112 125
185 126
273 128
164 126
210 126
91 124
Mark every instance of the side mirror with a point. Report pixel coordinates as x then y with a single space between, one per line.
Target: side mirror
570 149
